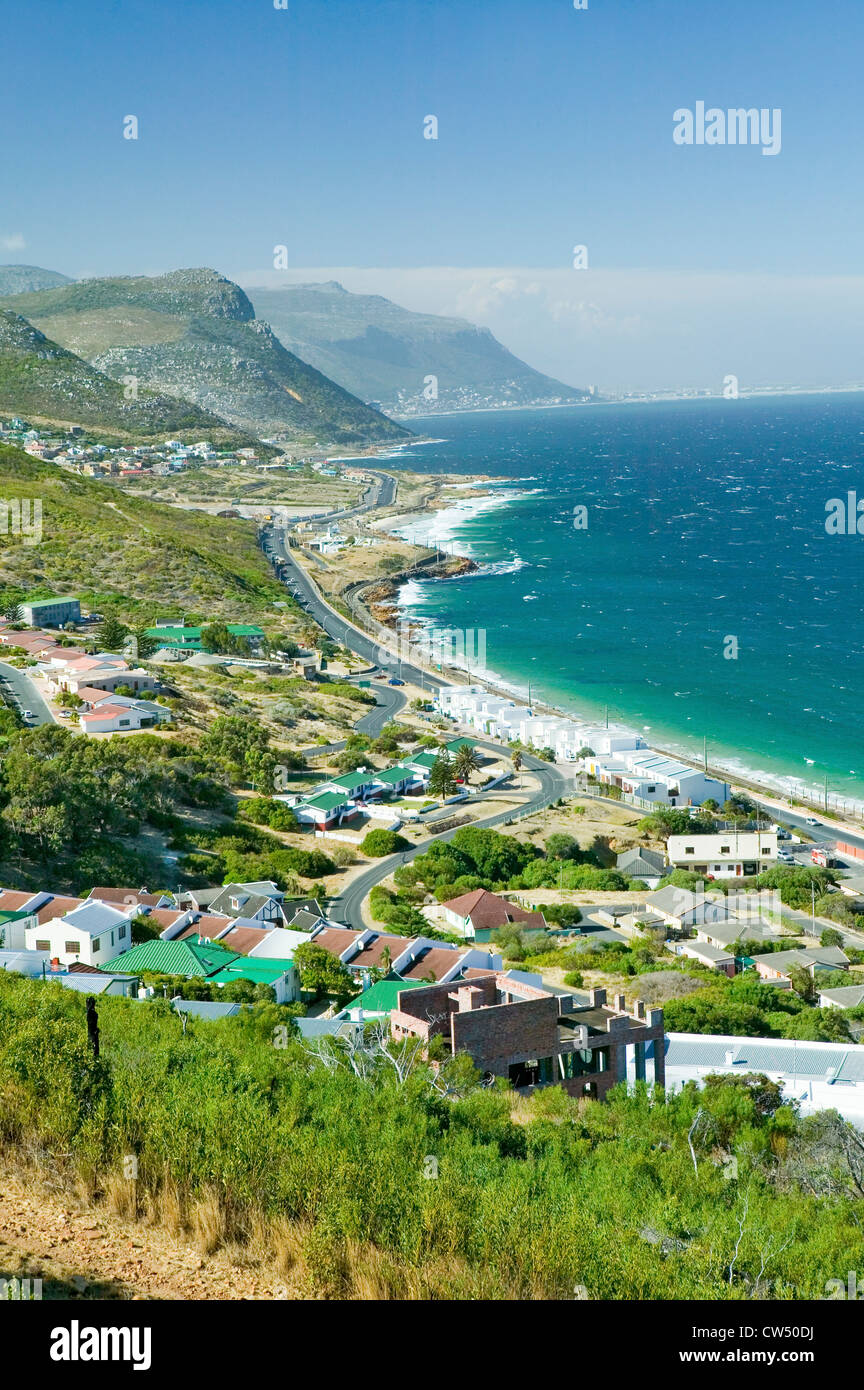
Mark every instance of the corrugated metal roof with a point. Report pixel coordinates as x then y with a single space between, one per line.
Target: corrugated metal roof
785 1055
175 958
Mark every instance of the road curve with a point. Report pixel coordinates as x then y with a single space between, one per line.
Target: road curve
28 696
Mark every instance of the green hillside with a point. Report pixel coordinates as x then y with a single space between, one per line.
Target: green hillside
45 383
143 558
194 334
383 352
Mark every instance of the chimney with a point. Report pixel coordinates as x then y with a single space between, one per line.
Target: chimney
621 1003
640 1009
468 998
597 998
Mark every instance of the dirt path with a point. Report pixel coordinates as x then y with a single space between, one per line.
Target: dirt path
86 1253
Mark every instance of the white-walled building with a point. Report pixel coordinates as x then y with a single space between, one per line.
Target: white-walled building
730 854
92 933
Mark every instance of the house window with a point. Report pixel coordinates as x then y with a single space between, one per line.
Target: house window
121 933
766 851
97 945
651 789
689 849
43 946
72 948
725 849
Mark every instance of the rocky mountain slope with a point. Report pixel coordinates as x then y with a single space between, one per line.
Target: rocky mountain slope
194 334
21 279
47 384
385 353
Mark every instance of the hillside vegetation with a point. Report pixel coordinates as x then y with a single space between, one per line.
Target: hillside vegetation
381 1181
143 558
194 334
47 384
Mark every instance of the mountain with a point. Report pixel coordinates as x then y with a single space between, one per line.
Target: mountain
47 384
21 279
194 334
144 559
384 353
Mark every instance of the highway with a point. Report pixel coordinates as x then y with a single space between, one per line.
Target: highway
24 693
301 585
348 906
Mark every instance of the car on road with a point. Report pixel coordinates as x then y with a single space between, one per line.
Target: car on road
28 713
811 820
65 713
394 680
785 857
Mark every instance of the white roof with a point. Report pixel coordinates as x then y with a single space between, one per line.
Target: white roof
93 917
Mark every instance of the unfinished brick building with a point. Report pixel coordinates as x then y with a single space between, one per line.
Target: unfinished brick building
533 1037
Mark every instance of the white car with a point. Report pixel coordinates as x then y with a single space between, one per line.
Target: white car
811 820
28 713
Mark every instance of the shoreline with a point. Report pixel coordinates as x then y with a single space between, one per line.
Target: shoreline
727 768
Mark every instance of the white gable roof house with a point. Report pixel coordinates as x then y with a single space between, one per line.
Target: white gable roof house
92 934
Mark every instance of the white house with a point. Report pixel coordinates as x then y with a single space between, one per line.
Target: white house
729 854
92 933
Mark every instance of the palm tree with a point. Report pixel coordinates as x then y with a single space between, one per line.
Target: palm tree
466 761
517 766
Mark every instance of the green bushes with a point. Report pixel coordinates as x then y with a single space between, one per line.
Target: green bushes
518 1211
379 843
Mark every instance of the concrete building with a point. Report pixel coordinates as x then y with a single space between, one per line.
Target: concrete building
52 612
515 1029
730 854
818 1075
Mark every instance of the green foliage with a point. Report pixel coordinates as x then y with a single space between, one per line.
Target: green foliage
520 1210
379 843
323 973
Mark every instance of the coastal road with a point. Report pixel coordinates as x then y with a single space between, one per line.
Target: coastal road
823 833
18 687
390 702
348 906
302 586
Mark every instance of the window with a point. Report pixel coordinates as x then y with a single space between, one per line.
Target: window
766 851
121 933
72 948
689 849
97 945
43 945
725 849
652 789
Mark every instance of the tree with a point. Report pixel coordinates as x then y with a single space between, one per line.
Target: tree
14 613
561 846
112 634
831 937
441 779
517 765
465 762
321 972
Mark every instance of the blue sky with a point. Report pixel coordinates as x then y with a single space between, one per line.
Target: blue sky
303 127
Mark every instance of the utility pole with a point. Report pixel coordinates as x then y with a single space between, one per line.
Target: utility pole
826 791
705 753
812 909
606 712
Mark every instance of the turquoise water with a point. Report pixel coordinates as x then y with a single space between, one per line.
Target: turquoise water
705 523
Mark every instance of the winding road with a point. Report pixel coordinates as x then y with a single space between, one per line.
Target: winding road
19 689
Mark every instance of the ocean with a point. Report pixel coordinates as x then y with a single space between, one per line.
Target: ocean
699 594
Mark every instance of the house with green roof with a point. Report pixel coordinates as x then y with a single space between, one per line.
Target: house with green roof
184 957
456 743
421 763
188 639
282 975
395 780
379 1000
323 810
